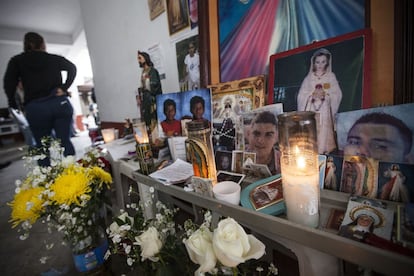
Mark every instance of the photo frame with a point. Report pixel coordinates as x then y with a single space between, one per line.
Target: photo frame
351 61
276 109
223 160
229 101
402 115
156 7
183 113
177 13
266 194
230 176
261 196
181 49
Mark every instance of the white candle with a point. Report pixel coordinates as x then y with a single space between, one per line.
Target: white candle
301 194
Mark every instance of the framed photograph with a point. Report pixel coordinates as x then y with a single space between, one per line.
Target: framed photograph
266 194
230 100
248 117
237 161
359 176
295 81
177 13
383 133
188 63
333 172
230 176
180 104
156 7
396 182
223 160
366 215
257 170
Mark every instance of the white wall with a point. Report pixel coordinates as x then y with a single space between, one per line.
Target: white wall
115 30
7 50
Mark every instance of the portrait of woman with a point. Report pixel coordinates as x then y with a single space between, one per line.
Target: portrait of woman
223 160
320 92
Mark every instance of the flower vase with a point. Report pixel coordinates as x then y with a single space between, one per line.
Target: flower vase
88 255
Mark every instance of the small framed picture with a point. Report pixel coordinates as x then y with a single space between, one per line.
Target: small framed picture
266 194
230 176
258 170
223 160
237 161
249 158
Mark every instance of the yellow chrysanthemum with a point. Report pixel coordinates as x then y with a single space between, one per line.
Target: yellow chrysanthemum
27 205
103 176
70 186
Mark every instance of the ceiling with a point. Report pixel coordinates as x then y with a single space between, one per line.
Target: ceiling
58 21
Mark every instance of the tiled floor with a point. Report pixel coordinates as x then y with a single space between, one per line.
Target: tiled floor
23 257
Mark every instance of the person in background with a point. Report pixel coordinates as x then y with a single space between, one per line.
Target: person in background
262 140
380 136
46 100
170 126
192 67
150 88
320 92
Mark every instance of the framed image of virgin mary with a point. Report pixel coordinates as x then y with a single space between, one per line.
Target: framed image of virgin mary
293 75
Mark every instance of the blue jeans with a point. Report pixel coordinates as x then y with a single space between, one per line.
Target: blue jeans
51 113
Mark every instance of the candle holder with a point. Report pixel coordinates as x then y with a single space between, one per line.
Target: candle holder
144 156
299 166
143 148
199 147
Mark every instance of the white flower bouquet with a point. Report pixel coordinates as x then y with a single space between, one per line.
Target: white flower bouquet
148 246
226 250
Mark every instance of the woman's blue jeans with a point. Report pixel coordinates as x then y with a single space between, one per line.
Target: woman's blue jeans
51 113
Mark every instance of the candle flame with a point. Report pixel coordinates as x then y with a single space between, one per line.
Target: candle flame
301 162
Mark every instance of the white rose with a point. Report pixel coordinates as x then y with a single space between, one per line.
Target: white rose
150 243
200 249
116 229
233 246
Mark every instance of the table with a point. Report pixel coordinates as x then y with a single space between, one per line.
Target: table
122 167
318 251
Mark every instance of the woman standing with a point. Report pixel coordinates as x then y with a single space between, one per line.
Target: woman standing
46 100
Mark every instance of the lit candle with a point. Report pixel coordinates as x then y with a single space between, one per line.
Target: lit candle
299 167
143 148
